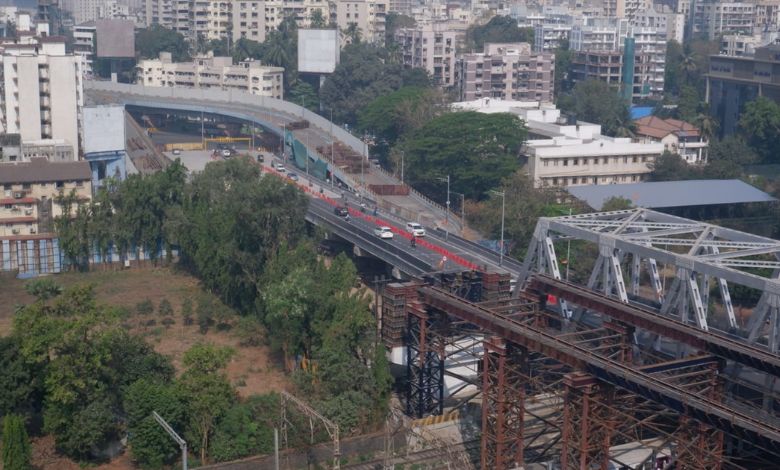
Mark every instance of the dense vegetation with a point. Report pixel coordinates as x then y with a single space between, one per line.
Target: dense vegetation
70 360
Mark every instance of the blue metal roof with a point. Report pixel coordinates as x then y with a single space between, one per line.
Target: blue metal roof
672 193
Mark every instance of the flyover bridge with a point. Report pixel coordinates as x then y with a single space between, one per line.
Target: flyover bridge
275 115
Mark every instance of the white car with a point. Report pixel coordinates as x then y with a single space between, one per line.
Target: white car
384 232
280 168
226 153
415 229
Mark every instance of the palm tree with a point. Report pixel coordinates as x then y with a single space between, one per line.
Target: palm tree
276 50
707 125
352 33
688 65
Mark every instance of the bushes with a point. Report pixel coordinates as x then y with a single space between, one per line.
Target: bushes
144 307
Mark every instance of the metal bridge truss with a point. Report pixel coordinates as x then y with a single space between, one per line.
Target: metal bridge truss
588 394
702 256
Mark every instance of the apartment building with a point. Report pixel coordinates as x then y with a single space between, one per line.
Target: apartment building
662 18
507 72
629 57
42 94
733 81
369 15
255 19
430 46
717 18
213 72
28 203
562 153
677 136
767 14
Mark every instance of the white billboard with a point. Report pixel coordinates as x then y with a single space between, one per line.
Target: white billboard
318 50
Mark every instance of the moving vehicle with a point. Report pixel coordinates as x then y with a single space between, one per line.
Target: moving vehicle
176 152
279 167
415 229
384 232
292 176
341 211
260 158
227 153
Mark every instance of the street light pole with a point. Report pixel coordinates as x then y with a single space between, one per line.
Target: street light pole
332 155
503 212
402 167
447 213
182 443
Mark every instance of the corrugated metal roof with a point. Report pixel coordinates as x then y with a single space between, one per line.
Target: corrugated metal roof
662 194
39 170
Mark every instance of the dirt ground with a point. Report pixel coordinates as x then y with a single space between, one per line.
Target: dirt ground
252 370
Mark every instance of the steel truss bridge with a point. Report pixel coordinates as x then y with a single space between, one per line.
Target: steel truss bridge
592 376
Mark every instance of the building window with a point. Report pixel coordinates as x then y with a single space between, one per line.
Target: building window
555 181
576 161
606 161
60 184
635 159
625 159
546 163
26 186
565 162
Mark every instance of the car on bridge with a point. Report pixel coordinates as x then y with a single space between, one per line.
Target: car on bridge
415 229
384 232
341 211
292 176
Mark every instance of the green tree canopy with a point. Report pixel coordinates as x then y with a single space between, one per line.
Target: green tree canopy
364 74
232 221
395 21
476 150
760 124
150 445
616 203
595 101
149 42
396 114
499 29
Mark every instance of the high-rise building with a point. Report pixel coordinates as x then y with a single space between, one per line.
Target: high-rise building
507 72
716 18
42 95
254 19
430 46
602 52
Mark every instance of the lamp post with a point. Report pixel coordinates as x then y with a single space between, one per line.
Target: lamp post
503 207
332 155
182 444
402 167
447 209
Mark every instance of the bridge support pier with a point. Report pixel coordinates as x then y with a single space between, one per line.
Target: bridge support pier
424 363
503 404
588 423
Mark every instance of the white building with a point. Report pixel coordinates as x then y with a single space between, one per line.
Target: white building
213 72
662 19
677 136
562 154
42 93
84 44
430 46
739 45
254 19
715 19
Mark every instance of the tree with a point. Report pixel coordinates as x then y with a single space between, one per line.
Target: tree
43 289
733 149
363 75
303 94
352 33
707 125
17 453
671 167
231 222
616 203
476 150
391 116
207 392
317 19
562 82
760 124
149 42
499 29
524 204
595 101
150 445
286 313
21 388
